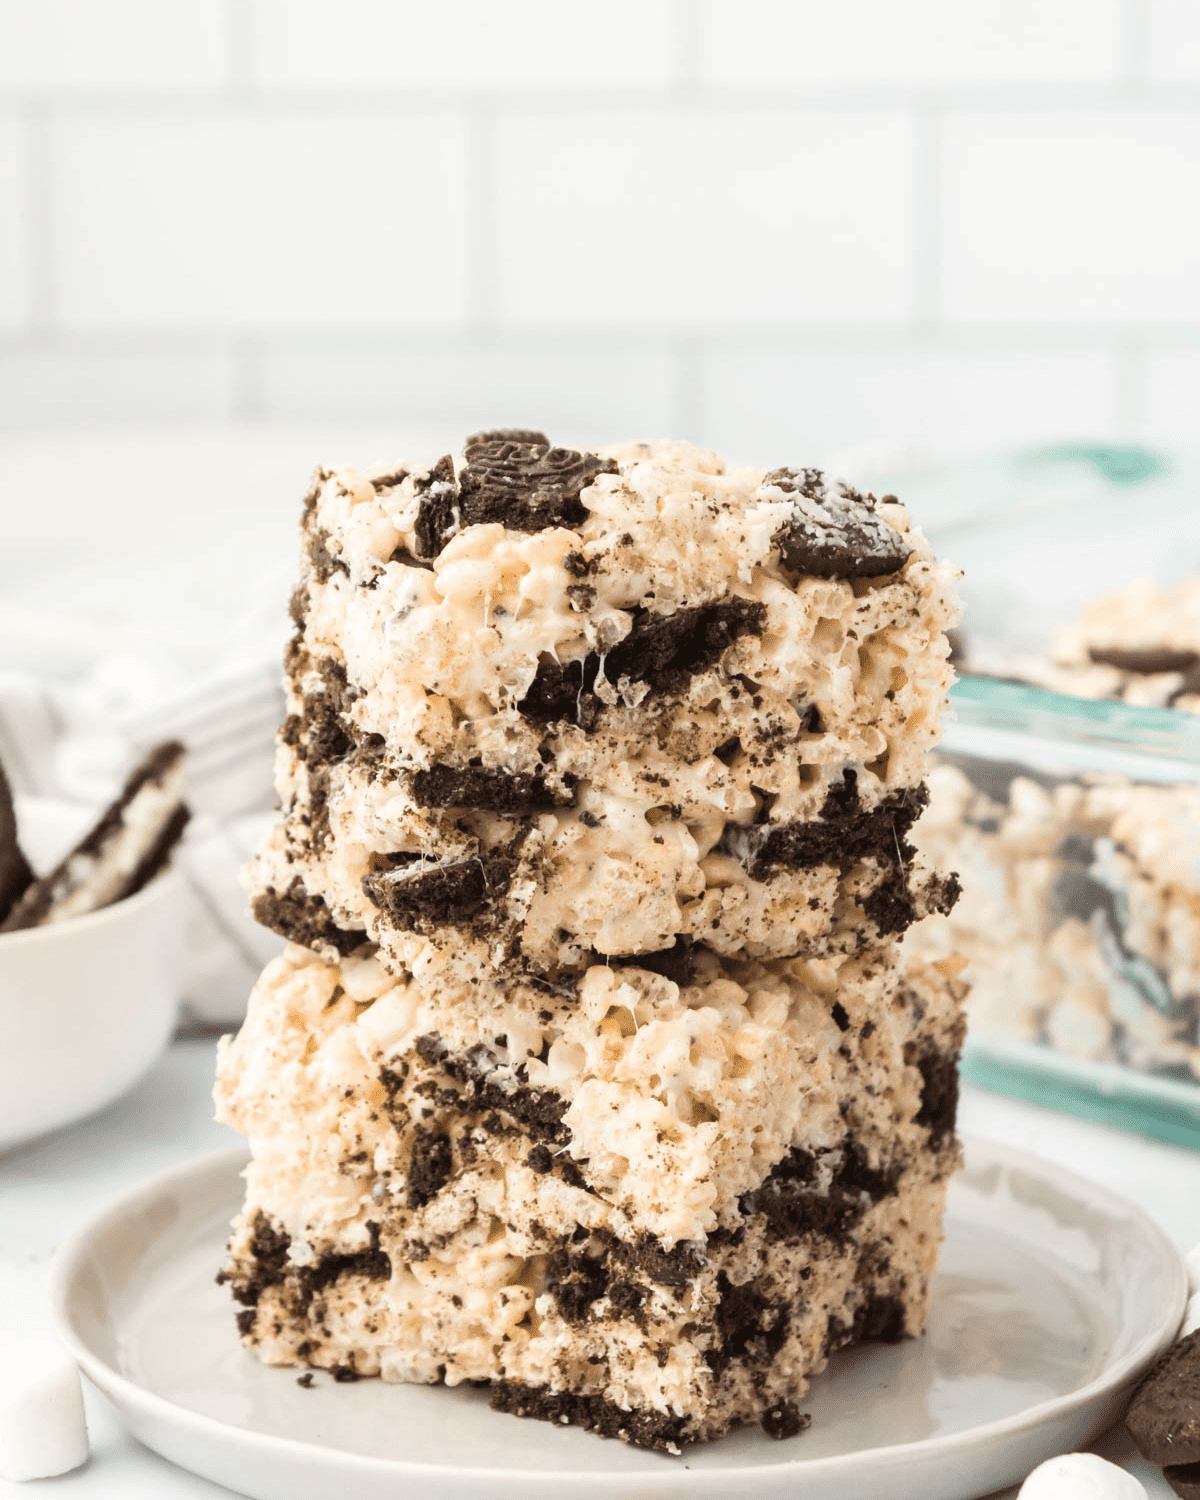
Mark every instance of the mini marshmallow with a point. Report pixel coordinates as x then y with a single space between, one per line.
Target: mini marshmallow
1192 1261
1081 1476
42 1426
1191 1316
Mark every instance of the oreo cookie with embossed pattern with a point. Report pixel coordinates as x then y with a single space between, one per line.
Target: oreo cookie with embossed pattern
835 531
506 435
517 479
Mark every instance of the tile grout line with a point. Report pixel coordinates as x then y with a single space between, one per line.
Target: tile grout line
1129 361
241 47
590 97
1135 46
685 44
927 212
686 402
247 396
815 337
481 220
41 262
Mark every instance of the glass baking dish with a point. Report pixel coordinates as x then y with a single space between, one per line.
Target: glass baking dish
1074 823
1075 828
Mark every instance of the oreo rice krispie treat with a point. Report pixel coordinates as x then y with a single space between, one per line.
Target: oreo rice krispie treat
592 1072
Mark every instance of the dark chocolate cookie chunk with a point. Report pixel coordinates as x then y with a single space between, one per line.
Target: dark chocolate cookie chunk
1164 1416
321 560
662 650
665 650
1184 1479
1145 661
16 876
303 917
388 481
640 1427
430 891
518 480
843 833
835 531
677 963
491 788
439 515
506 435
785 1420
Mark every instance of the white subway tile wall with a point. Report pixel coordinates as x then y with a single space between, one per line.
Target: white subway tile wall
912 43
356 43
786 228
244 222
1072 218
110 47
694 219
1174 41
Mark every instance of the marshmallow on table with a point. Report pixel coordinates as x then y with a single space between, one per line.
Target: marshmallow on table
42 1427
1191 1316
1081 1476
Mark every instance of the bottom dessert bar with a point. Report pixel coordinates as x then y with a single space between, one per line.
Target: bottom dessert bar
647 1209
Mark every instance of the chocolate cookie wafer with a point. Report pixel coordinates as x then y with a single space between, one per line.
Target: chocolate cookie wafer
124 851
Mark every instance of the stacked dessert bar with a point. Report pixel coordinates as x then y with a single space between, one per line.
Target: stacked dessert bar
593 1072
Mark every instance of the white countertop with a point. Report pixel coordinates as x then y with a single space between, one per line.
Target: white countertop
50 1187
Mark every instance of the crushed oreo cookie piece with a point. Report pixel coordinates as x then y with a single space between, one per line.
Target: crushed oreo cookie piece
939 1094
518 480
430 1167
492 788
843 834
643 1429
785 1420
835 531
793 1205
662 650
1184 1479
388 481
439 515
677 963
303 917
432 892
321 560
1145 662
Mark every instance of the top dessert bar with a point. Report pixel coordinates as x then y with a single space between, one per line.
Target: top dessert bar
551 708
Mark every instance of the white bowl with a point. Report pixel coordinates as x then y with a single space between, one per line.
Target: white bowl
86 1005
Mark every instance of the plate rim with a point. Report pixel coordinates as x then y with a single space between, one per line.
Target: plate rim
72 1254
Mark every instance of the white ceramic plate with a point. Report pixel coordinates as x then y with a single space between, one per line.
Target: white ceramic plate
1053 1295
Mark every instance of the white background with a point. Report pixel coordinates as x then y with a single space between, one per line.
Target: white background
784 228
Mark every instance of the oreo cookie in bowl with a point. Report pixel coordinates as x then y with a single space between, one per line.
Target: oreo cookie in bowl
90 945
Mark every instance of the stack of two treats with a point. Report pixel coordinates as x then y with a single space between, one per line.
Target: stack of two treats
593 1072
